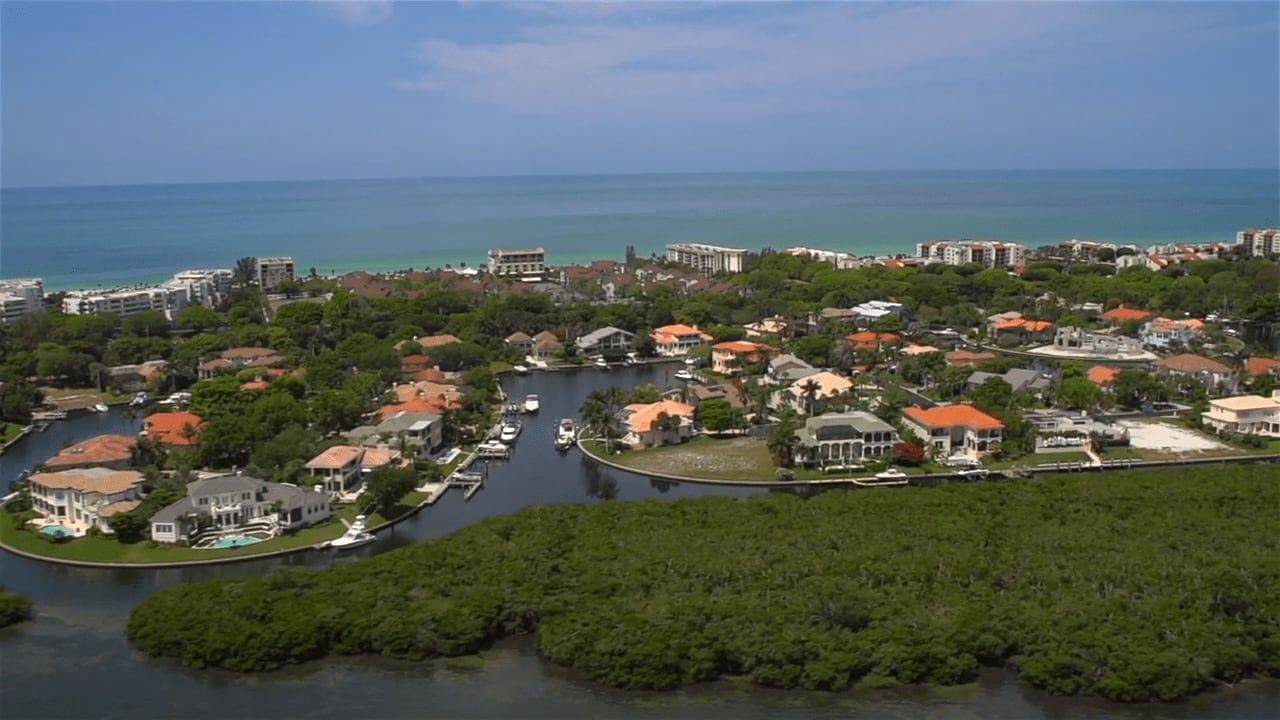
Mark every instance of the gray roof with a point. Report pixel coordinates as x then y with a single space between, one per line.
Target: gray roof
404 421
224 484
173 512
1018 378
291 497
790 368
860 421
595 336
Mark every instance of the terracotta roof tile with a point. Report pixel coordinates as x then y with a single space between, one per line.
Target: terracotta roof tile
99 450
169 428
952 415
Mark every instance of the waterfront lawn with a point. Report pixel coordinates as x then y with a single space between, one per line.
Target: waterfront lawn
9 431
738 458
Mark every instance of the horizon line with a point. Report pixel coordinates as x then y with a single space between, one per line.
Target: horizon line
515 176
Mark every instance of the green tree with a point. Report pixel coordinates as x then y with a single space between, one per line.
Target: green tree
718 415
388 486
198 318
1078 392
147 323
129 527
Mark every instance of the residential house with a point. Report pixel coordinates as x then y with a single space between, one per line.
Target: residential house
1021 330
640 423
1103 375
806 393
678 340
867 313
968 358
1208 371
434 341
1122 314
421 432
1078 341
253 385
1019 379
238 358
786 369
234 501
696 393
606 340
108 451
872 340
337 468
914 349
178 429
546 346
1163 332
844 439
520 341
955 429
133 378
1249 414
1256 366
414 363
728 358
772 326
77 498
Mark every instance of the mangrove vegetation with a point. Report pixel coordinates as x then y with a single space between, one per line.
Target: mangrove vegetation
1131 585
14 608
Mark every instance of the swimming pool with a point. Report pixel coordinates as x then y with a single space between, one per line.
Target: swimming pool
58 531
231 542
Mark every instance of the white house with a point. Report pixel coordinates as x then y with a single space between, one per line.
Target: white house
422 432
1163 332
341 468
1249 414
86 497
676 340
955 429
233 501
845 439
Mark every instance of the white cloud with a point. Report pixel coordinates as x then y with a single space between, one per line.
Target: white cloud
593 59
360 12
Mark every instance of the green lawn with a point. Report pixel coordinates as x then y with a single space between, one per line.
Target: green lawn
9 431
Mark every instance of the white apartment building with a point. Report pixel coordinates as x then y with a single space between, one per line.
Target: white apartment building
206 286
124 302
530 262
272 271
963 252
1259 243
1250 414
709 259
20 296
838 259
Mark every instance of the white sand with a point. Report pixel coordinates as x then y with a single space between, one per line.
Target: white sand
1158 436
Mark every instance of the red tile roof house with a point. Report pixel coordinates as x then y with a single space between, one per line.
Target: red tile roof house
178 429
341 468
1255 366
1208 371
1103 375
1122 314
955 429
108 451
641 419
727 358
872 340
968 359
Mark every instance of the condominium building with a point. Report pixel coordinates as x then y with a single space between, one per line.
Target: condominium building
20 296
839 260
273 271
964 252
531 262
206 286
1259 243
709 259
124 302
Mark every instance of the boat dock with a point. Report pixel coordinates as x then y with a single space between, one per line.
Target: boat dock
470 482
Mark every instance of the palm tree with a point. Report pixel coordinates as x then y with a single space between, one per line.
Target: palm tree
666 424
600 409
782 442
809 388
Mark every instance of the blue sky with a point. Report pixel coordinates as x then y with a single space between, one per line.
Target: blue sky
139 92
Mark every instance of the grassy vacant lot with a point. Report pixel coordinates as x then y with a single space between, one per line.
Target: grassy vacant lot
739 458
9 431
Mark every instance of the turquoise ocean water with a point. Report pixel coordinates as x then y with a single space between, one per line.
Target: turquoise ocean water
90 236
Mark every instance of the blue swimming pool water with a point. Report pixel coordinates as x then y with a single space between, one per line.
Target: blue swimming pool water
56 530
234 542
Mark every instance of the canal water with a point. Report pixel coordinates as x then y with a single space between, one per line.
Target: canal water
72 661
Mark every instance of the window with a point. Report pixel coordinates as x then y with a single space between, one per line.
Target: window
164 528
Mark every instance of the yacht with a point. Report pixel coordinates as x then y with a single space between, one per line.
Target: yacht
492 449
99 408
520 369
566 433
691 361
602 363
683 374
139 399
357 534
531 403
891 474
509 432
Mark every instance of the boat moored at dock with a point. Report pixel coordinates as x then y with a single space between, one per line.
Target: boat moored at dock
566 433
357 534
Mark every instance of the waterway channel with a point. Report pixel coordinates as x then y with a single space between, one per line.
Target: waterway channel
73 662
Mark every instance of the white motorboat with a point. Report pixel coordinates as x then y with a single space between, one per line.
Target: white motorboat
520 369
683 374
691 361
509 432
99 408
974 472
139 399
357 534
602 363
566 433
531 403
492 449
891 474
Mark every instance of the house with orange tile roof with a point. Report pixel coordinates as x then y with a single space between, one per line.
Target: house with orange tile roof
76 499
1164 332
431 341
337 468
108 451
258 384
955 429
1255 366
728 358
775 326
178 429
1122 314
677 340
968 358
642 429
1103 374
1021 330
414 362
872 340
815 388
